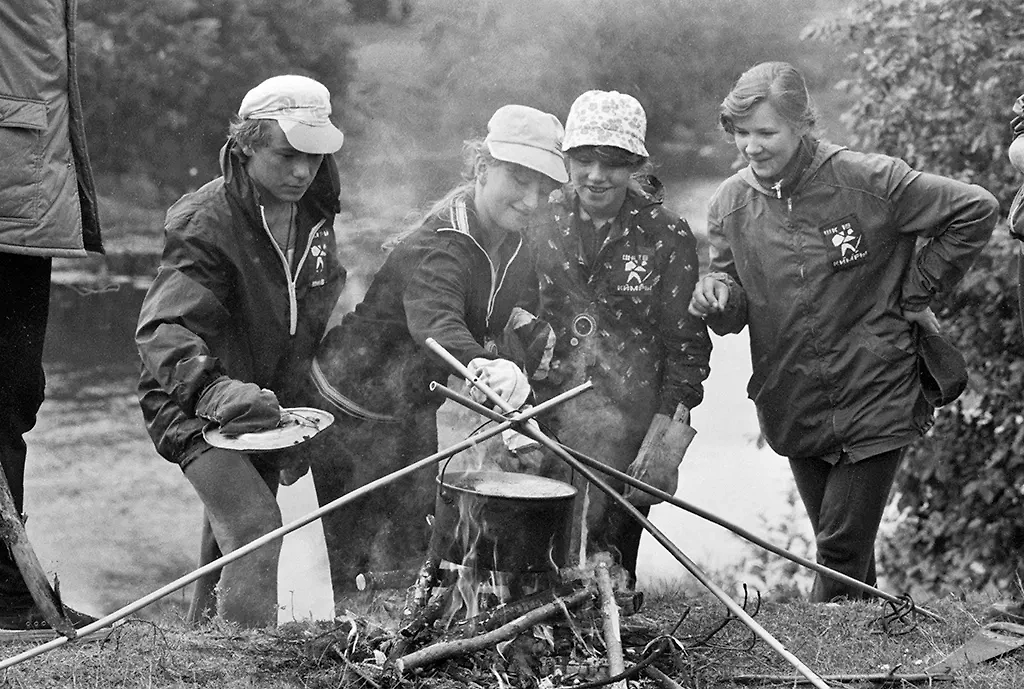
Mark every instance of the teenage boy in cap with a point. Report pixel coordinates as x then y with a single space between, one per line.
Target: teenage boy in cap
455 277
615 268
247 281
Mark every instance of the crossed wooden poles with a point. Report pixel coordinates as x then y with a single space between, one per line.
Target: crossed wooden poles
523 421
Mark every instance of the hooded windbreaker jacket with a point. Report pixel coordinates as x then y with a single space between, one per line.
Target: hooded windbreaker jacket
438 282
822 279
48 200
225 302
623 322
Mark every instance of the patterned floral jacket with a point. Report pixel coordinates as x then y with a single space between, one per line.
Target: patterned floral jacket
622 322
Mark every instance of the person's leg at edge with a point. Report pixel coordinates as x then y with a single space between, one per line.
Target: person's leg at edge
845 503
24 309
241 506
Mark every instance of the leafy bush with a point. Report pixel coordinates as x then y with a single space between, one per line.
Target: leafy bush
934 82
160 79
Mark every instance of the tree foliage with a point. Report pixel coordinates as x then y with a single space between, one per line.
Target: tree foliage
161 78
933 83
678 57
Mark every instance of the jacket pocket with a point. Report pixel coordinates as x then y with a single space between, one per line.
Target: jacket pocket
22 138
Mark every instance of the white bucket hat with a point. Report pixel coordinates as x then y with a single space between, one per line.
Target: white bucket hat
526 136
302 106
606 118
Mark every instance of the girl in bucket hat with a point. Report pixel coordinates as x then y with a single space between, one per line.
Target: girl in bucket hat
814 250
456 277
615 266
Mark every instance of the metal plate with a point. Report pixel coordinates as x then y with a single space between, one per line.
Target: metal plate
298 424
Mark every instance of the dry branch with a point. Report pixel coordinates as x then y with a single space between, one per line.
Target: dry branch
450 649
610 619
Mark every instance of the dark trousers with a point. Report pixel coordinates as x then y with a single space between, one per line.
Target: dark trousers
844 502
24 308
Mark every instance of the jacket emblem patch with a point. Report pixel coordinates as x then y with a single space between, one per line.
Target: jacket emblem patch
634 269
845 243
318 250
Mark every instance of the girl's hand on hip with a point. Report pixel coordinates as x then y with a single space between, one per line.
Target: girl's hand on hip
924 319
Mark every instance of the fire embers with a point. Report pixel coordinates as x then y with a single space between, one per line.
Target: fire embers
564 630
495 602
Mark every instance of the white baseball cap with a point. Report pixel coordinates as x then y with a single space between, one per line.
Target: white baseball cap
529 137
302 106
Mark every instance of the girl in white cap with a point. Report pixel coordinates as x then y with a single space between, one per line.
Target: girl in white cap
615 268
456 278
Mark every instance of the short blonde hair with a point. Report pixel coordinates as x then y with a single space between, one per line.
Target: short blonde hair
778 83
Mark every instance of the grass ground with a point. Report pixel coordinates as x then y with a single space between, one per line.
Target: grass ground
833 640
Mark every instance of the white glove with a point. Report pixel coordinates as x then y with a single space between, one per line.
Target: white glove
502 376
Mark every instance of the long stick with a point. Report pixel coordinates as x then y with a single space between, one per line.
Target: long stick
282 531
700 512
532 430
792 680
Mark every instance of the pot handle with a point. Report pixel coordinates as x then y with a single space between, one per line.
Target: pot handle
441 484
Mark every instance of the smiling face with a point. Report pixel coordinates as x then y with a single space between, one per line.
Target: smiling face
766 140
600 186
281 173
507 195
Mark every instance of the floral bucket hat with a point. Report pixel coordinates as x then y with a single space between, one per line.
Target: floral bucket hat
606 118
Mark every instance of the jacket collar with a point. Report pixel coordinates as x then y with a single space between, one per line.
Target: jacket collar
821 152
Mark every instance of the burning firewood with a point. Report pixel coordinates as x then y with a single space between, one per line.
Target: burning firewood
451 649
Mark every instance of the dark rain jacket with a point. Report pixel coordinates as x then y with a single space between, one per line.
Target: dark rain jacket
439 283
225 302
822 279
47 196
623 321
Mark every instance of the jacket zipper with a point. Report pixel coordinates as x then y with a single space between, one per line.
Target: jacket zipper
462 225
293 300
